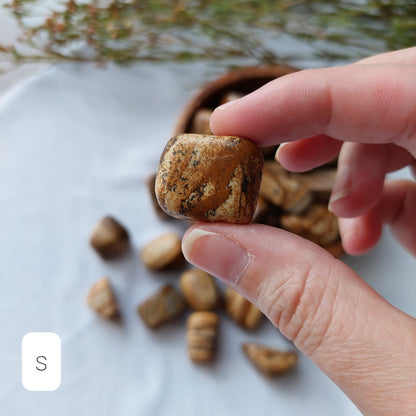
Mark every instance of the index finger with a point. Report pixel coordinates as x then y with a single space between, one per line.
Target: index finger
367 103
401 56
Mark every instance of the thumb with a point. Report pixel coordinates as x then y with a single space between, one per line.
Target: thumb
356 337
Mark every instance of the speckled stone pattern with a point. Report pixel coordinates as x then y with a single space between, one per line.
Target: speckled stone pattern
209 178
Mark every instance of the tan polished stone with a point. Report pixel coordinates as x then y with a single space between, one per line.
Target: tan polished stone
209 178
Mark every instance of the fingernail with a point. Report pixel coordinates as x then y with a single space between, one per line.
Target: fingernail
282 145
342 186
216 254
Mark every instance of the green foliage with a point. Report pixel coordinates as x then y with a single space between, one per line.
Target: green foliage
175 30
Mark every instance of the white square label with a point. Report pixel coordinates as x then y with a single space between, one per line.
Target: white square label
41 361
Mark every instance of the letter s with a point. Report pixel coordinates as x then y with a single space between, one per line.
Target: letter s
40 362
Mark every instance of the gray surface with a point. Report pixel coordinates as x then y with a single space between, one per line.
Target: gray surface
77 142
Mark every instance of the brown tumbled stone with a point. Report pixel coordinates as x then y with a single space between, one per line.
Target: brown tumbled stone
201 335
200 122
317 224
163 252
199 289
320 183
231 96
209 178
110 239
241 310
269 361
283 189
163 306
102 300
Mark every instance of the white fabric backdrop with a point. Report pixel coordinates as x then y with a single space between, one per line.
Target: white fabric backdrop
76 143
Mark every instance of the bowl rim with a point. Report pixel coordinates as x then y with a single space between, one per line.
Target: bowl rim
220 83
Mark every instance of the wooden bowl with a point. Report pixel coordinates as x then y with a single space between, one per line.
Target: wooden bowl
243 80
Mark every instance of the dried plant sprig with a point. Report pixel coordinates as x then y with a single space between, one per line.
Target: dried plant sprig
172 30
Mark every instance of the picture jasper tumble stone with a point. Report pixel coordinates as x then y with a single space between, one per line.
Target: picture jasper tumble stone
209 178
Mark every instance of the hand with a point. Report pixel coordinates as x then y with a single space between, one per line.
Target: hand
367 112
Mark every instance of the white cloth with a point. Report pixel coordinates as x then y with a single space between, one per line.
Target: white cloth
77 143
